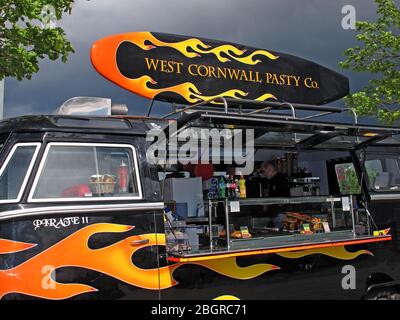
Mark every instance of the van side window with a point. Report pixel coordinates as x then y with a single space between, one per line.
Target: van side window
15 171
383 172
79 171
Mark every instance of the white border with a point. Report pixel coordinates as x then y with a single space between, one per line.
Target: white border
80 209
83 199
28 172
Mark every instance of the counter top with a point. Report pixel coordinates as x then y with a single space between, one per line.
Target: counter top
256 246
284 200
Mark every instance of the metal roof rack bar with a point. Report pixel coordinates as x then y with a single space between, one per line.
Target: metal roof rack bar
150 107
322 114
201 103
253 104
274 104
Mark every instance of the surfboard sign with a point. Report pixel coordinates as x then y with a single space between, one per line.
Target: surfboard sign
185 69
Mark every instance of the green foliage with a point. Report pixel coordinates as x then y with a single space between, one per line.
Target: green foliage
379 55
24 41
348 180
349 184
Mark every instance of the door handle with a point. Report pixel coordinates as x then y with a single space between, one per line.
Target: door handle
139 242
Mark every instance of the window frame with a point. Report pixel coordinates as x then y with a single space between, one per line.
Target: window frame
86 199
376 193
37 146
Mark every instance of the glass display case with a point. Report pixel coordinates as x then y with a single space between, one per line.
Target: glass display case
239 225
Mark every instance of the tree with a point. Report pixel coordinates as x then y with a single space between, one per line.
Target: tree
379 55
24 40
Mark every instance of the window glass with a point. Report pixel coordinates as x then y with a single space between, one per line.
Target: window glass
347 179
88 171
13 175
383 171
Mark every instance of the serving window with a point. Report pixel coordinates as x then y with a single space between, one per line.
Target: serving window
79 171
315 200
320 206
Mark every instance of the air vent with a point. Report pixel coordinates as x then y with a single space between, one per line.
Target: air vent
91 106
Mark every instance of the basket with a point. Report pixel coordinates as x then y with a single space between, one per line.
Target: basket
102 187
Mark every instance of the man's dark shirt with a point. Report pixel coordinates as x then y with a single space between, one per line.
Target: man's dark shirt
278 186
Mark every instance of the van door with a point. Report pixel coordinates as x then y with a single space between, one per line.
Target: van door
85 230
382 171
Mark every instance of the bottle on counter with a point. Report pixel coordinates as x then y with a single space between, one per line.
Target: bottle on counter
213 190
123 177
237 193
221 187
228 184
242 187
232 188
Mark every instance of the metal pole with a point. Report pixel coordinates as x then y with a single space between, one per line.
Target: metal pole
224 102
354 114
333 215
353 222
210 212
150 107
2 99
228 239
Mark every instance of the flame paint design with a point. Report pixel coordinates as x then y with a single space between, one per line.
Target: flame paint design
186 90
229 267
114 260
199 47
339 252
226 297
10 246
103 59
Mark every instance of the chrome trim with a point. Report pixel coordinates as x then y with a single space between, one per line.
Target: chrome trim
378 197
109 145
79 209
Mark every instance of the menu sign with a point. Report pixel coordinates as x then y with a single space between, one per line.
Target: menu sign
186 69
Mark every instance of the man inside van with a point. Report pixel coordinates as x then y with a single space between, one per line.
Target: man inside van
277 186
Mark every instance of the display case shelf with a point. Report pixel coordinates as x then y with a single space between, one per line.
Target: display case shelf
335 239
288 200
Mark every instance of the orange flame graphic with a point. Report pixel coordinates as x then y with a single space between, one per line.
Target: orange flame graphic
339 252
199 47
9 246
114 260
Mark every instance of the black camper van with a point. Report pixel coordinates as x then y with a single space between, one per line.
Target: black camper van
222 198
85 215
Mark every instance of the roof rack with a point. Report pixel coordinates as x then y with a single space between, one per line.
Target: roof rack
254 107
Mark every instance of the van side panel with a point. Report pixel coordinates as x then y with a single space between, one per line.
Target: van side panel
80 256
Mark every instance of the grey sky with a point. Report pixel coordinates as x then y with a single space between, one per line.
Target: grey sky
307 28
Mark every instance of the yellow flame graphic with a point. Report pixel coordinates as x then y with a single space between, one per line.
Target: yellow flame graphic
230 268
198 47
334 252
226 297
187 90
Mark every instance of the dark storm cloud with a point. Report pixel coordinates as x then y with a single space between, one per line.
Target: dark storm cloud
308 28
